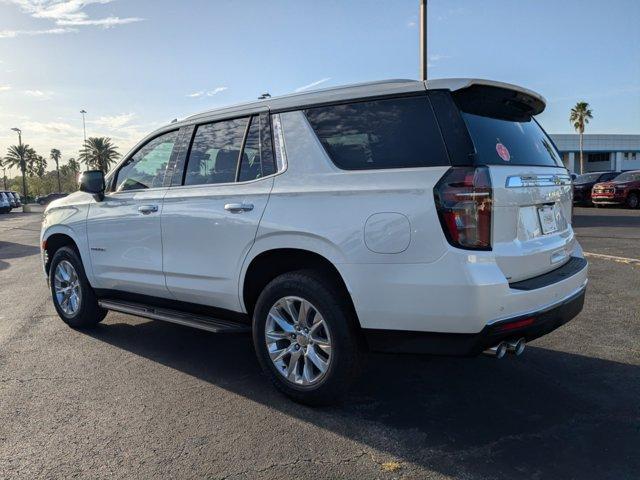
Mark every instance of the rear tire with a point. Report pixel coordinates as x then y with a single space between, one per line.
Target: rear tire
73 297
324 336
633 200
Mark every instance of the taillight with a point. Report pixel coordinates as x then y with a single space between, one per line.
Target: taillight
463 199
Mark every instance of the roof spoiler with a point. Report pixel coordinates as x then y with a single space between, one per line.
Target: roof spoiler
492 99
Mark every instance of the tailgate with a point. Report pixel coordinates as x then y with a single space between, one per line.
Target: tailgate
531 232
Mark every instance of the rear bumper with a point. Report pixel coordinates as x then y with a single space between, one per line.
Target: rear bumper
530 327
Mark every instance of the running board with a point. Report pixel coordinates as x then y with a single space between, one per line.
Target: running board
174 316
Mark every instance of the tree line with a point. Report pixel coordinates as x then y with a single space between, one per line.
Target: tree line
97 153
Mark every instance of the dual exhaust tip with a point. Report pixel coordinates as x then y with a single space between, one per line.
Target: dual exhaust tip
515 347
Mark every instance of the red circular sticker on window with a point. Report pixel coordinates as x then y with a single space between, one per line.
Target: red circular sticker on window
503 152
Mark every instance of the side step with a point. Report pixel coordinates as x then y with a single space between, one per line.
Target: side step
174 316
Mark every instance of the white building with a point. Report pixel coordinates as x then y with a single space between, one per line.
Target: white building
601 152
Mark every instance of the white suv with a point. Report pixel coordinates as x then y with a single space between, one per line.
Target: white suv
392 216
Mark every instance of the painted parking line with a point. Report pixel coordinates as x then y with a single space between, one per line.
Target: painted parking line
613 257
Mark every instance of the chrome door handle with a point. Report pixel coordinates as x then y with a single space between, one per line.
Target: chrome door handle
238 207
147 209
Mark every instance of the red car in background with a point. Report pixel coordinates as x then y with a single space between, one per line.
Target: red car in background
622 190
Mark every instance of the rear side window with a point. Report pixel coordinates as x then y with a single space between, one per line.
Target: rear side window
506 142
391 133
215 152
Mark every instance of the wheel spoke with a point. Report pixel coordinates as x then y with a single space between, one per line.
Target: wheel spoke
278 355
274 336
282 323
303 313
317 361
289 307
292 370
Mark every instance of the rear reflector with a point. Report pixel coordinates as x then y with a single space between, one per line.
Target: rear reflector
517 324
463 199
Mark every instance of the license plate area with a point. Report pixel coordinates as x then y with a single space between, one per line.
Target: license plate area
547 217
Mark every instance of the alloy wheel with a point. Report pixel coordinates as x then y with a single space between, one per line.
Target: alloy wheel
298 341
66 285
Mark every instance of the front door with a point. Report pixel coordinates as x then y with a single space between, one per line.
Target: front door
124 233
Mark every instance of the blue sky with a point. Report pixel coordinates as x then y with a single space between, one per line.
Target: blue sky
136 64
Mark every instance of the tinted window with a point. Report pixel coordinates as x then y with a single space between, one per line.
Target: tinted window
605 177
395 133
257 157
215 151
628 177
146 168
505 142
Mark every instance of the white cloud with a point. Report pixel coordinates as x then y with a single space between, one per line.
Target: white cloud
4 88
411 24
208 93
102 22
38 94
64 13
312 84
113 121
31 33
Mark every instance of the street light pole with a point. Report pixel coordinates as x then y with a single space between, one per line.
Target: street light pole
84 126
23 166
423 40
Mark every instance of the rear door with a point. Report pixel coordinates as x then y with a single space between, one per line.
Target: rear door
211 214
531 222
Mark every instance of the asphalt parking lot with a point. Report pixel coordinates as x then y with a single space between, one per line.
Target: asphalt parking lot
145 399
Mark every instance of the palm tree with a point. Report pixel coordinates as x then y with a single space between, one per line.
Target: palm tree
580 115
55 156
99 153
73 165
39 166
19 156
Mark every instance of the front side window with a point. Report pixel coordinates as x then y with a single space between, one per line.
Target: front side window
146 168
391 133
215 152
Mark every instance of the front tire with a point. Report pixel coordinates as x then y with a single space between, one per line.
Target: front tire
306 339
633 200
73 297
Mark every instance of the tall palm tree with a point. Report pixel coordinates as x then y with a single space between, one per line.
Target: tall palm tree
20 156
55 156
580 115
99 153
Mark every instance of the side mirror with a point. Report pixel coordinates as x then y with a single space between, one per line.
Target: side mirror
92 181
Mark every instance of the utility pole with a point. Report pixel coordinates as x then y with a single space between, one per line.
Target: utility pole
423 40
23 166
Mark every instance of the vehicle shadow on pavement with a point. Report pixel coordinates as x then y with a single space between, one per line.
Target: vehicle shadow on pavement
11 250
547 414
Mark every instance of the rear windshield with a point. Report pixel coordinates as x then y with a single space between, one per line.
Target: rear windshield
391 133
505 142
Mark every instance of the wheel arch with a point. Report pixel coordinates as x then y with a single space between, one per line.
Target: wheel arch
59 236
268 264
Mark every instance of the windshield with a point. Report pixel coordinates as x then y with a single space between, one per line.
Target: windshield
628 177
505 142
588 177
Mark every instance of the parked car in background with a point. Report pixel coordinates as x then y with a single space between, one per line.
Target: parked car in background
622 190
392 216
16 195
46 199
584 183
5 204
11 198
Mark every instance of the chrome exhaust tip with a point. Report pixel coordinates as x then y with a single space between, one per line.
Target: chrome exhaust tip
497 351
516 347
